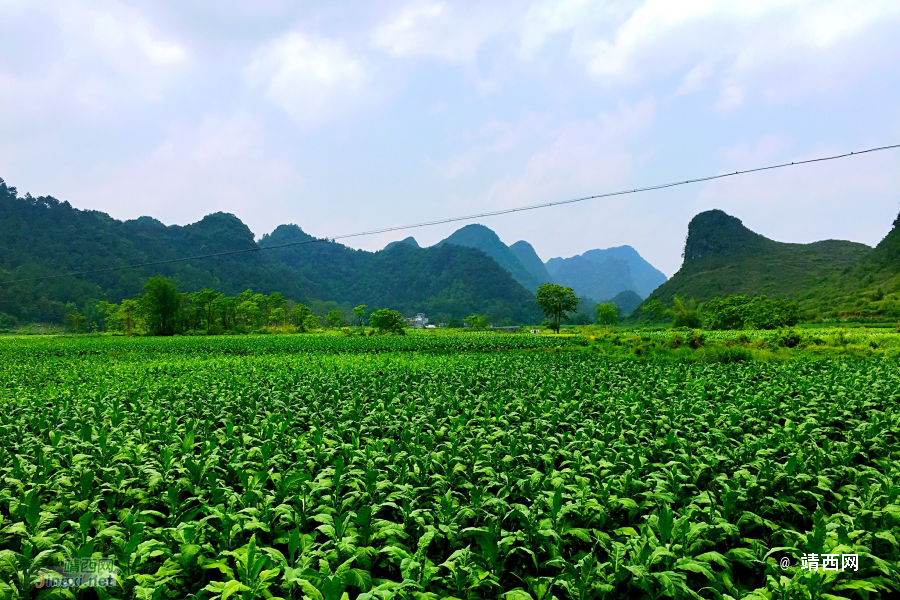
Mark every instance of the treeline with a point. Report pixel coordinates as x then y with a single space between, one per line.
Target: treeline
163 310
731 312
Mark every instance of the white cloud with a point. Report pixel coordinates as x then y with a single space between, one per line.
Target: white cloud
581 157
314 79
772 48
485 144
82 60
447 31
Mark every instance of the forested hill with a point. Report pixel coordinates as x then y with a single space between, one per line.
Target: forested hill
43 236
484 239
723 257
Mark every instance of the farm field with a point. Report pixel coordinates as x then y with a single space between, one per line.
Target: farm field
470 465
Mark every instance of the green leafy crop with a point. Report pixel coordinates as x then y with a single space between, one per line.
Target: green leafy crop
429 467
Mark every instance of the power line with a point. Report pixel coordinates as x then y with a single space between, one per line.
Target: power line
455 219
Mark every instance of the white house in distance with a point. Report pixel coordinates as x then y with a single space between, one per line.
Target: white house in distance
417 321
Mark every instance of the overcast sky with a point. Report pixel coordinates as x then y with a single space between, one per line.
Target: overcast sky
341 117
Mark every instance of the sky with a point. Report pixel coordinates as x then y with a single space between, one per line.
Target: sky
341 117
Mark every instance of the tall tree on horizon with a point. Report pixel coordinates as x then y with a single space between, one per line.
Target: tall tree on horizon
555 301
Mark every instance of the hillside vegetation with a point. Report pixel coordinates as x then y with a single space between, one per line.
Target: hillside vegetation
43 236
829 279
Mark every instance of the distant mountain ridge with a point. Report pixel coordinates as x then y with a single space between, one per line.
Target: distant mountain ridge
598 275
601 274
410 241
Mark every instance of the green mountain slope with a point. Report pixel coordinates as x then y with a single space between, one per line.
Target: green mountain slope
870 290
42 236
446 282
627 301
484 239
530 260
722 257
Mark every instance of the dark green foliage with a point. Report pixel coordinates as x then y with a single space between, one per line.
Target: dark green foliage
685 313
334 318
482 238
42 236
387 321
7 321
724 258
476 322
359 313
555 302
626 302
215 463
160 304
443 282
607 313
743 312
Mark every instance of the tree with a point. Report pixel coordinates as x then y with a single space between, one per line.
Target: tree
160 304
686 313
75 320
360 313
555 301
334 318
387 321
127 314
225 307
655 309
311 322
743 312
476 322
250 313
277 315
299 314
204 301
108 313
607 313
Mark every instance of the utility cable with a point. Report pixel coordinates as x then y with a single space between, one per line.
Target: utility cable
455 219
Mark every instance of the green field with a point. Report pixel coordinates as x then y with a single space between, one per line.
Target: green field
457 465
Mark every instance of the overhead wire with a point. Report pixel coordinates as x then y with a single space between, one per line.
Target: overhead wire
493 213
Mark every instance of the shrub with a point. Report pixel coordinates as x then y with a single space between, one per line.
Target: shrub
697 340
676 341
686 313
388 321
727 355
788 338
743 312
